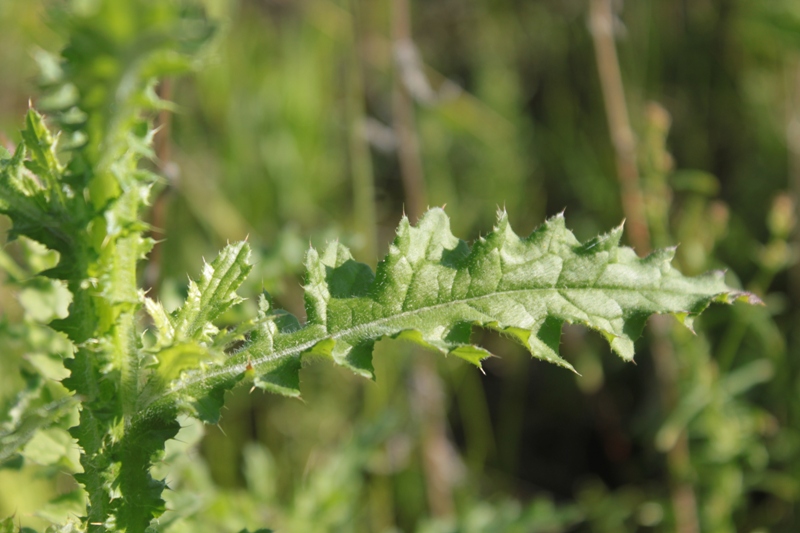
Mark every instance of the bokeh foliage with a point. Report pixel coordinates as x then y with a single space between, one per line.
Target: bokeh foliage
267 140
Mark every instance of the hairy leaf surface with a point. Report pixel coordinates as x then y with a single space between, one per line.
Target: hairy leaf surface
432 288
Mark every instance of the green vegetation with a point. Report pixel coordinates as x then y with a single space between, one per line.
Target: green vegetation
315 120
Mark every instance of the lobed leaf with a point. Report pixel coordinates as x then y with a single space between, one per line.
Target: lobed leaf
432 289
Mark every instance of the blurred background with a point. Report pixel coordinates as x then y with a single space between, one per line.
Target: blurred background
310 120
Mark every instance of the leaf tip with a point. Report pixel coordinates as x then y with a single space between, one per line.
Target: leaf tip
750 298
557 221
502 226
687 319
312 258
731 297
472 354
622 345
501 214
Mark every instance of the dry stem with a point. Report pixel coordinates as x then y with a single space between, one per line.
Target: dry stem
601 22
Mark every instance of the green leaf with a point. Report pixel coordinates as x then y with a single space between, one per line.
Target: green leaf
8 526
81 198
44 299
187 338
43 161
209 298
284 378
72 525
432 288
33 411
44 209
61 508
50 447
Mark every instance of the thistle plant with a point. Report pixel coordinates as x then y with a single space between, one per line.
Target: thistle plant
82 193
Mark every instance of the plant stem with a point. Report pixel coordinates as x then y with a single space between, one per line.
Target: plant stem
437 451
360 158
601 23
793 145
403 116
438 457
684 500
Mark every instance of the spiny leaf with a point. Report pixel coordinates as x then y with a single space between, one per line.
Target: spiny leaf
41 207
187 338
82 199
207 300
432 288
42 146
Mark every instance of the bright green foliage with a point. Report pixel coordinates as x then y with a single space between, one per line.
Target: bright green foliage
82 199
431 289
42 408
34 409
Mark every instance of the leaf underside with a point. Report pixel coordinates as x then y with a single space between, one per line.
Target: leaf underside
431 289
